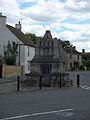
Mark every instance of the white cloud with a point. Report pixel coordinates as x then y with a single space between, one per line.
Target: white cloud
78 5
11 9
67 35
55 25
39 30
48 11
76 26
86 34
51 15
24 1
77 36
79 9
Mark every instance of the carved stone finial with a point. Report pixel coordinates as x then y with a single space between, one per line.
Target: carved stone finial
48 35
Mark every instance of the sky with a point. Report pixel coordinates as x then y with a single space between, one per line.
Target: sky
66 19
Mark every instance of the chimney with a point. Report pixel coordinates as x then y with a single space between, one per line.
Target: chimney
83 50
2 21
18 26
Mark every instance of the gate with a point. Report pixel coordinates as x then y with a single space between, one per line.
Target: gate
45 78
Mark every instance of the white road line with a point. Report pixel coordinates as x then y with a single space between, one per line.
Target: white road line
85 87
36 114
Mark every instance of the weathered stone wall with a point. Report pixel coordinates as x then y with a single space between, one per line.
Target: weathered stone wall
35 68
49 53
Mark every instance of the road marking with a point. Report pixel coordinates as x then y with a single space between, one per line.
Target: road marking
36 114
85 87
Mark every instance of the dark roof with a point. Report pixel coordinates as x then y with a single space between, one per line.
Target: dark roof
21 36
87 54
71 50
46 60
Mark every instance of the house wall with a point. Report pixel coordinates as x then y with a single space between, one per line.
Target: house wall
28 56
70 60
5 36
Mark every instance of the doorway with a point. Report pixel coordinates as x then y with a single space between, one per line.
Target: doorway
45 71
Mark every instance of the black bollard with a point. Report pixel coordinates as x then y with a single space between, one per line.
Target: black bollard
78 80
0 70
40 83
18 83
60 82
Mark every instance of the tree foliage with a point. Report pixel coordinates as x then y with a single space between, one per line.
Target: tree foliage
87 64
10 53
32 37
66 44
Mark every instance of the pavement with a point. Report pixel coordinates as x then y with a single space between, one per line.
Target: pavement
9 85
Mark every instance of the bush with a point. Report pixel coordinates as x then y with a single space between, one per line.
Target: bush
81 67
10 60
73 68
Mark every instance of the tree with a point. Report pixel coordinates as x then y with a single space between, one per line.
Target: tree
31 37
10 53
66 44
81 67
87 64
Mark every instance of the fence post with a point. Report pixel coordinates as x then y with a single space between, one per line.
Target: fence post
18 83
40 83
78 80
60 82
0 70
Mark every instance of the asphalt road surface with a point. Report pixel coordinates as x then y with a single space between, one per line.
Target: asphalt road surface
47 104
59 104
84 77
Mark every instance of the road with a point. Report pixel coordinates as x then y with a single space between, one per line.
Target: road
84 77
47 104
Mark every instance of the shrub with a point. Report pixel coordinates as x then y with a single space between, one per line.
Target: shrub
81 67
10 60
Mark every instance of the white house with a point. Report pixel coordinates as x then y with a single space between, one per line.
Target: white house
26 48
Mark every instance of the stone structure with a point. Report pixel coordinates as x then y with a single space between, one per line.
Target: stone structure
49 62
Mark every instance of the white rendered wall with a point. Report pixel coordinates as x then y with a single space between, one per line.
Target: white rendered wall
5 36
29 57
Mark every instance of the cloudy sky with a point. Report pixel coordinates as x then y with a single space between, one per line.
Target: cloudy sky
67 19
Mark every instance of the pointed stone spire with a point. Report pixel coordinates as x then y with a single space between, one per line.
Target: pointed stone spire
47 35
